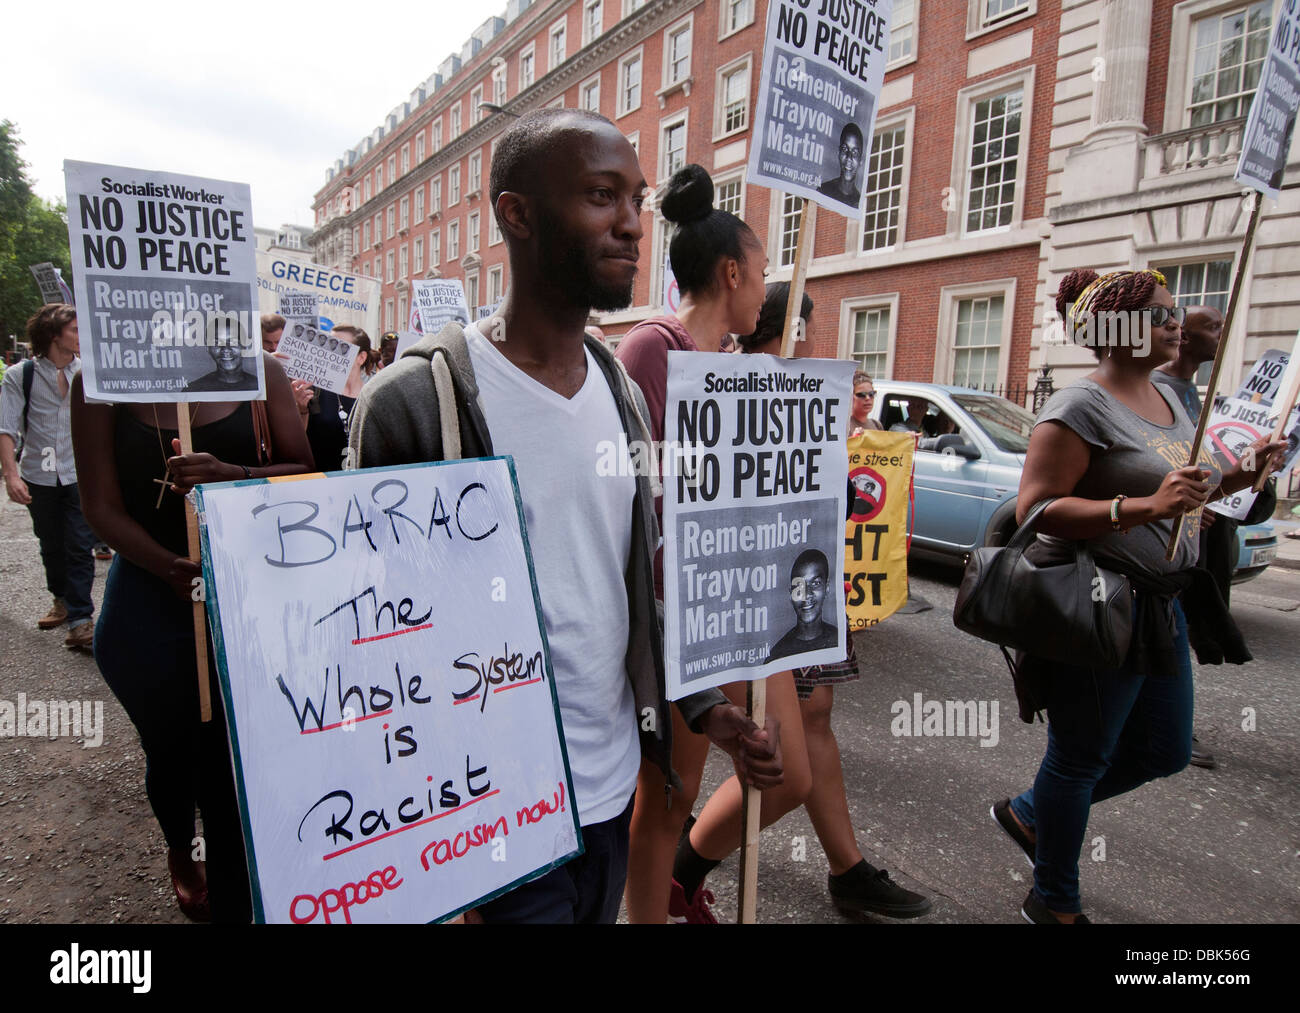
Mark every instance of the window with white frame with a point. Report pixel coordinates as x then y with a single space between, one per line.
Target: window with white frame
455 121
729 194
419 204
494 229
791 207
374 271
453 241
472 232
526 67
379 178
985 15
419 147
402 307
902 31
365 234
392 169
629 83
471 292
589 95
994 160
634 139
405 214
677 52
403 261
1228 53
435 247
672 146
365 187
557 44
1200 283
435 195
977 342
388 314
390 216
406 159
379 228
663 237
356 239
499 85
437 133
475 172
732 103
869 331
884 187
388 267
632 5
417 257
475 101
593 16
453 186
496 277
736 14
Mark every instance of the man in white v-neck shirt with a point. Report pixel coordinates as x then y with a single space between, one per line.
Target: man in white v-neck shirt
567 191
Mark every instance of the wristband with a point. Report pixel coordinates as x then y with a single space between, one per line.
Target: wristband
1114 514
247 473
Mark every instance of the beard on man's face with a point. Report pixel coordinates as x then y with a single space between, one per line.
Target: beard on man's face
572 267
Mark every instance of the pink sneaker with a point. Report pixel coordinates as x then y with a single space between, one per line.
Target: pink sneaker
696 912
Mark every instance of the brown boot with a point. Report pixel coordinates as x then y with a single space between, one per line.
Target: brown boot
82 636
56 616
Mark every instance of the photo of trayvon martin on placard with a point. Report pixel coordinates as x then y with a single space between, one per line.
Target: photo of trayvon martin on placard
823 68
755 480
166 284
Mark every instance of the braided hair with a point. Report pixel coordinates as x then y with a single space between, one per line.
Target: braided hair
1083 294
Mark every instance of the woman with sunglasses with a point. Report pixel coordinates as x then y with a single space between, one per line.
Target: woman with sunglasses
1107 449
864 399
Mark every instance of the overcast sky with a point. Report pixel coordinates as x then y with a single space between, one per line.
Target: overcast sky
267 93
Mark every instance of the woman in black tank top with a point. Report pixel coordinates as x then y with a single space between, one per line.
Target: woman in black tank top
133 479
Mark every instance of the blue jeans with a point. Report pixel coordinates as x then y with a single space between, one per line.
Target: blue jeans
66 546
1108 731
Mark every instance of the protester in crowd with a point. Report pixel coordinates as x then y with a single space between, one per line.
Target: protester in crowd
854 884
864 399
134 477
719 265
1202 330
272 330
326 414
34 412
387 349
1103 446
566 189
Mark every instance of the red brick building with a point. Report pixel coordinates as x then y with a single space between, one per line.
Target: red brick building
999 122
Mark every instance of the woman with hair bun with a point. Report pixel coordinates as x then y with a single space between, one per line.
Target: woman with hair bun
1105 448
720 265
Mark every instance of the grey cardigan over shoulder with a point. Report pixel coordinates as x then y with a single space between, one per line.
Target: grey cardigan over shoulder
424 407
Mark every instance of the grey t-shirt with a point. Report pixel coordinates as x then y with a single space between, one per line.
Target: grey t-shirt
1130 455
1185 390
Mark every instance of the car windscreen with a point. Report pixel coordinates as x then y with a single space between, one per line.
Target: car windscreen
1008 425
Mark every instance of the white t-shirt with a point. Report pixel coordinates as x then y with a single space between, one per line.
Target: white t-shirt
580 530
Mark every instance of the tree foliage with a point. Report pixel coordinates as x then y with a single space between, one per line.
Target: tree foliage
31 231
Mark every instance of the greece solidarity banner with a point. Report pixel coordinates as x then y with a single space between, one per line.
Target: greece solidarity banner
755 479
166 283
392 712
341 298
823 68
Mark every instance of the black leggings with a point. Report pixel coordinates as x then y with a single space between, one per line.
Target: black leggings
144 646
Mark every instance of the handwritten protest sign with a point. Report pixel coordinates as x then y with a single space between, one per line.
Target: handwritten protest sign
823 68
754 507
1266 140
342 298
435 303
875 536
166 285
392 711
316 356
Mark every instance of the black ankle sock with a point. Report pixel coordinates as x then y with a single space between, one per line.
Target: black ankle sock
689 868
862 870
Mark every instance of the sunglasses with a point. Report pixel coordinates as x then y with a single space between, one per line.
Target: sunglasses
865 395
1161 315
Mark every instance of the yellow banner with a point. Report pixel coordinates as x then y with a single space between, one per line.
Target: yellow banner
875 537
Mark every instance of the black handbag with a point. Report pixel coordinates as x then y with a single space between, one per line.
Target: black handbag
1068 610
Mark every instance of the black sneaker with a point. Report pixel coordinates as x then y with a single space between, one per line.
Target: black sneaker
1001 813
866 888
1034 911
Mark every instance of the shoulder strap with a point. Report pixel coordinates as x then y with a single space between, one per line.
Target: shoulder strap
29 374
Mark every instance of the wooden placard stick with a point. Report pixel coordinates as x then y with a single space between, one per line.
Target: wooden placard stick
192 537
1211 389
